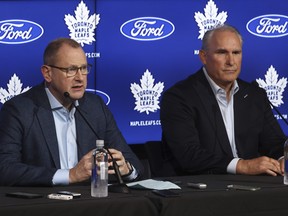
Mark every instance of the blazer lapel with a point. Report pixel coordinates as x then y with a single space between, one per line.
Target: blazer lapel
47 124
240 104
86 140
46 121
213 112
82 135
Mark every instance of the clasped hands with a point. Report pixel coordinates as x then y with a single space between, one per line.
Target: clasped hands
260 165
82 171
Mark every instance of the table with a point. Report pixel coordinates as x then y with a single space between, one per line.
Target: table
115 204
271 199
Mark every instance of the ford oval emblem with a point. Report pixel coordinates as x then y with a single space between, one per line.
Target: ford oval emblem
269 26
102 94
19 31
147 28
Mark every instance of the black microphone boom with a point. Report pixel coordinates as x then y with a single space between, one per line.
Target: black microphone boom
120 187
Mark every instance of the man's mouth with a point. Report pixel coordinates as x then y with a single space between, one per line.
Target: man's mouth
77 87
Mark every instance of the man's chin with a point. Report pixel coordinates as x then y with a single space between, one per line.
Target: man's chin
76 95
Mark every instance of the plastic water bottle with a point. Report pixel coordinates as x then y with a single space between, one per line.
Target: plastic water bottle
286 162
99 178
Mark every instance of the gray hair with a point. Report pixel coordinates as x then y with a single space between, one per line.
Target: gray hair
218 28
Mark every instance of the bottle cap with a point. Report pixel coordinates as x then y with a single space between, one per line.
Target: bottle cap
99 143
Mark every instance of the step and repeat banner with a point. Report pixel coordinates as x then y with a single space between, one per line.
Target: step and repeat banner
139 48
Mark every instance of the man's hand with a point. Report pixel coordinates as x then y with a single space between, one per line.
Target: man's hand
82 171
120 160
261 165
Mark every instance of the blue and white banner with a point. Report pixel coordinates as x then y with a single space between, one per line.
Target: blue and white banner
139 48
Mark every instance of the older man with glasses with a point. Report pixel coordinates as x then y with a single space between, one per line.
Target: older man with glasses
45 139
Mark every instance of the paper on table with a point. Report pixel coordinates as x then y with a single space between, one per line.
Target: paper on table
153 184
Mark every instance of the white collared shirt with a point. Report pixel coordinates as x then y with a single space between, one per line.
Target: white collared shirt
227 111
66 136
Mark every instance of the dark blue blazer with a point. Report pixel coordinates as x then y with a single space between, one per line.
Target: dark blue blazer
194 135
28 142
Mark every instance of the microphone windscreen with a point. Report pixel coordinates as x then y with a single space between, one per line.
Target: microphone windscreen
66 94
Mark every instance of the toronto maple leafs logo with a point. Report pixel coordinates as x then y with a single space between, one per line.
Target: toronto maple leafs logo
82 26
274 87
147 95
210 19
14 88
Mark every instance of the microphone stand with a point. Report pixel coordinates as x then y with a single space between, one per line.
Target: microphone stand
282 117
119 187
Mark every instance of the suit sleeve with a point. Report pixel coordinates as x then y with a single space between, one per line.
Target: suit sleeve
271 138
16 123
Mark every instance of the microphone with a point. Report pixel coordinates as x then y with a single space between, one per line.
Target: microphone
120 187
255 83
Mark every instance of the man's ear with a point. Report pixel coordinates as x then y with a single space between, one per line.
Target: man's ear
46 73
202 56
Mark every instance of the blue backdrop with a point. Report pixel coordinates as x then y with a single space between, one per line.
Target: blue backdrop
139 48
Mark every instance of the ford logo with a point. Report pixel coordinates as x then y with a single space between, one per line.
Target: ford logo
269 26
102 94
147 28
19 31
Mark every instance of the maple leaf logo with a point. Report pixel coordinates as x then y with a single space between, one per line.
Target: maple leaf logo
274 87
210 19
147 95
14 88
82 27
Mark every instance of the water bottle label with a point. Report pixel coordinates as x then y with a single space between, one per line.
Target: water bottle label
286 166
102 170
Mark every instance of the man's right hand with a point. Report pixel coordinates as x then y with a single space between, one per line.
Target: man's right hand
260 165
82 171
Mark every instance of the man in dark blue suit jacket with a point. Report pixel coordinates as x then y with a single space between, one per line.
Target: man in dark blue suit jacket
32 136
213 122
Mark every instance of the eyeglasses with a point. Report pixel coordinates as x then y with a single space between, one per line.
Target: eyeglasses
72 71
